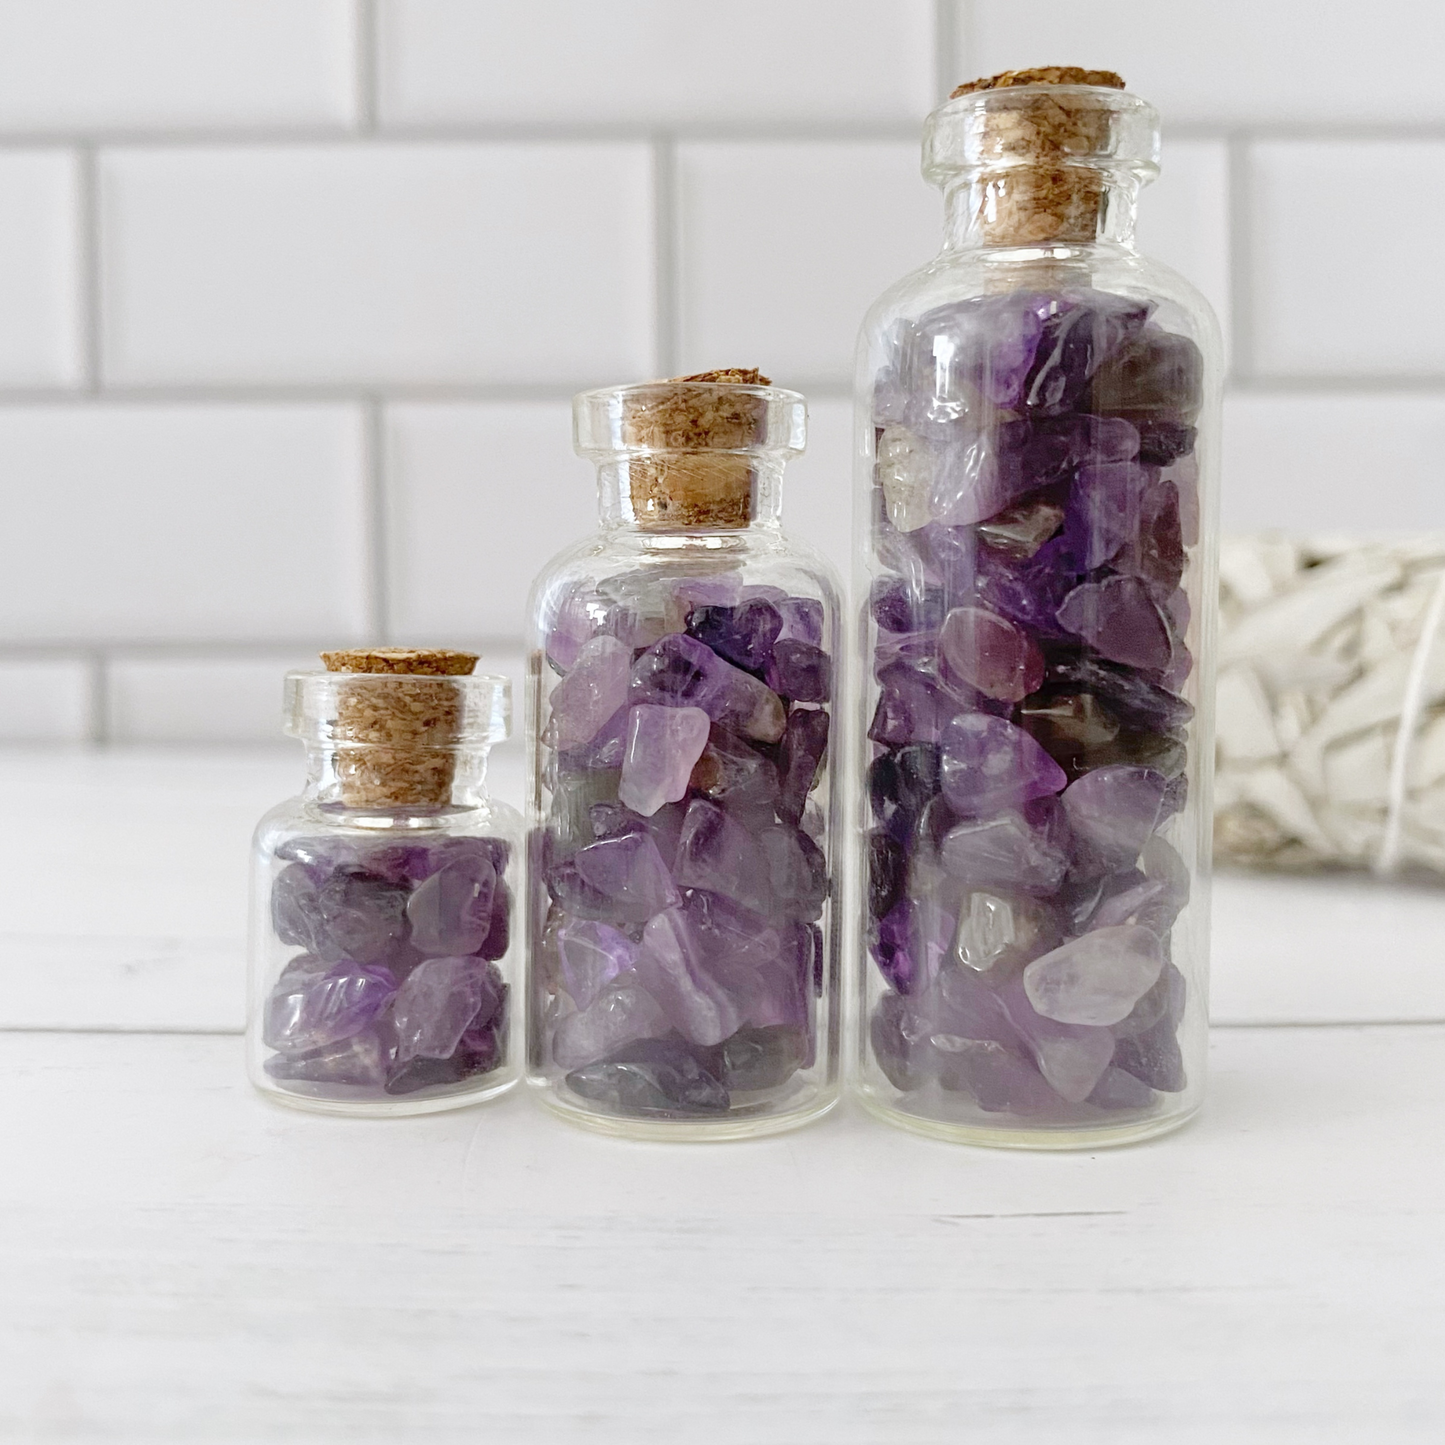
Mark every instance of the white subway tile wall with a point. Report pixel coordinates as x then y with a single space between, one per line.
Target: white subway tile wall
46 699
480 495
294 293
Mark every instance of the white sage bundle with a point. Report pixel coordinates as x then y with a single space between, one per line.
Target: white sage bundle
1331 703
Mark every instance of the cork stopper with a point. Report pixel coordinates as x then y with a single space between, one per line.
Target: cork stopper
1041 75
404 719
705 427
1038 187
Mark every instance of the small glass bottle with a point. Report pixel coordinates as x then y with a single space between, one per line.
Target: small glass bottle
682 947
1038 438
383 943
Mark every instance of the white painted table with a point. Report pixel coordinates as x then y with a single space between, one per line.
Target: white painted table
180 1261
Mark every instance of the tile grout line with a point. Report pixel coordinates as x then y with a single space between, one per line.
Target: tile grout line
98 699
364 35
824 388
665 256
1239 259
111 650
823 132
374 481
89 280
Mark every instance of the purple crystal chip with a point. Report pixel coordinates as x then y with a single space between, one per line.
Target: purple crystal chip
312 1006
744 634
663 744
660 1078
451 911
440 998
989 764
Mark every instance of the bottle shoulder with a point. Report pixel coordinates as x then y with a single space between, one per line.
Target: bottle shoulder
954 276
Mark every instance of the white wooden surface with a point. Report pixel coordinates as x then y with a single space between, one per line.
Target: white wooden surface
180 1261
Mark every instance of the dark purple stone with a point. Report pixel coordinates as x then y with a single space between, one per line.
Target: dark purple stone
899 605
911 942
359 917
744 634
907 778
1153 1057
804 746
1080 334
1135 701
800 671
887 869
911 708
802 619
1157 374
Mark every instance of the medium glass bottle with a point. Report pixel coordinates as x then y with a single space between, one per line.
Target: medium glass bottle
382 931
1038 436
682 941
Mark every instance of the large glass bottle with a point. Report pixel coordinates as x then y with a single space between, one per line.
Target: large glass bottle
682 930
1038 439
383 942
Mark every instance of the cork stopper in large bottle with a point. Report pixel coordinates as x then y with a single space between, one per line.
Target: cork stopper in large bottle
403 716
1042 189
698 472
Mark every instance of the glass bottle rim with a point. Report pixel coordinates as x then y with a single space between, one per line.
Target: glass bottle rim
968 134
312 701
602 419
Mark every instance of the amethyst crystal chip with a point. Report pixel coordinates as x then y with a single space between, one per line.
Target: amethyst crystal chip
672 968
1113 811
1008 851
1120 621
989 764
660 1078
718 854
679 671
622 1014
911 944
451 912
663 744
1097 978
591 692
800 671
1029 739
358 917
744 635
592 956
440 999
685 879
312 1006
629 873
805 745
990 654
415 1000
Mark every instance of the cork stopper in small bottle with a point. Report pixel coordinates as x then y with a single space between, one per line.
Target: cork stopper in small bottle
1043 190
699 473
404 716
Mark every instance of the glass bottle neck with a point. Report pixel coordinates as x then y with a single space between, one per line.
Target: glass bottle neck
1020 207
333 770
758 502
